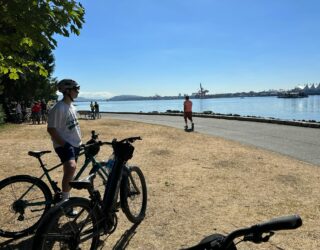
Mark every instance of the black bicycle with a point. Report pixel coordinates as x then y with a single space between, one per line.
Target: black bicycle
96 216
24 199
259 233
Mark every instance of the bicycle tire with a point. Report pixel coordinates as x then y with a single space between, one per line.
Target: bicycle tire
17 217
58 230
131 194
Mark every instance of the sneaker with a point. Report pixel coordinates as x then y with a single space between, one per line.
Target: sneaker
71 213
185 127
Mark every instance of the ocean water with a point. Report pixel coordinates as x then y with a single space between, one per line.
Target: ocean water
282 108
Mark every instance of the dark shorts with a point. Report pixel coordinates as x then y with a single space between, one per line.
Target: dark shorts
187 115
67 152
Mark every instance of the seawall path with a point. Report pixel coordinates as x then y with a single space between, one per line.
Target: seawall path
295 141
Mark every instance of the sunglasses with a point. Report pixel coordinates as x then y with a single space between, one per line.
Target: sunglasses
76 88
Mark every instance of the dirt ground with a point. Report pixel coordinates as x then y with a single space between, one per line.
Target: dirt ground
197 185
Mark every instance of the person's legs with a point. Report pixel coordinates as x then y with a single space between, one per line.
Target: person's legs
185 120
68 155
69 168
190 118
33 116
38 117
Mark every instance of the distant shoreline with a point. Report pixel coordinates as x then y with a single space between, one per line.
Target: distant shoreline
226 95
156 98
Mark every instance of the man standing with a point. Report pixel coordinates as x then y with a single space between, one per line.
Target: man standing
18 113
92 110
96 110
64 130
187 112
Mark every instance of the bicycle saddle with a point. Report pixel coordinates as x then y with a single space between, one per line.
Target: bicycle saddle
38 154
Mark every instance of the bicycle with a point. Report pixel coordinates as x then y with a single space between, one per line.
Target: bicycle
96 216
257 234
28 198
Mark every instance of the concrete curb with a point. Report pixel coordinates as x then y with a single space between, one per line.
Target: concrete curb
229 117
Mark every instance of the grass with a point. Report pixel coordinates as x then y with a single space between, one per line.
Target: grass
197 185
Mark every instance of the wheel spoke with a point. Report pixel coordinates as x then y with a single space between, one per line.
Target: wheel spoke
61 231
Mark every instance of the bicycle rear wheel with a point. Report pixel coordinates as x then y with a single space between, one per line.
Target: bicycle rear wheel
133 195
23 201
61 230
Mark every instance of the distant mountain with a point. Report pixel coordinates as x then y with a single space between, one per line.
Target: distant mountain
126 98
85 99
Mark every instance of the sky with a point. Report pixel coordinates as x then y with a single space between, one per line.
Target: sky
169 47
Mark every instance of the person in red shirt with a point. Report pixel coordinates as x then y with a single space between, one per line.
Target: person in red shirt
36 110
187 112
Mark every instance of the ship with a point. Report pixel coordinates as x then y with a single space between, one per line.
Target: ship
292 94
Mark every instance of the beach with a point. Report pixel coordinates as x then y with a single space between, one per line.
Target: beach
198 185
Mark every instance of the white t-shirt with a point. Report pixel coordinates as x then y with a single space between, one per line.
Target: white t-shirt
63 118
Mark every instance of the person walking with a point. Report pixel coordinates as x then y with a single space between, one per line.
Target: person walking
96 110
64 129
18 113
44 111
92 110
187 112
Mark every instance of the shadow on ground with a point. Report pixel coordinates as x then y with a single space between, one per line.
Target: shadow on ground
26 242
21 243
124 240
189 130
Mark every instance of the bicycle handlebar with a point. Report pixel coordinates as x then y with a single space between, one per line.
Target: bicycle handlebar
94 136
280 223
253 233
131 139
100 143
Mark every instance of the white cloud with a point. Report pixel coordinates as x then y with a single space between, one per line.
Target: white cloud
95 95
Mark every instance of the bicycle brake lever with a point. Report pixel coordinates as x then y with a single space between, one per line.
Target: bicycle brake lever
258 238
267 237
133 139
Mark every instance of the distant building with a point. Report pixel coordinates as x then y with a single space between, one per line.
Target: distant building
311 89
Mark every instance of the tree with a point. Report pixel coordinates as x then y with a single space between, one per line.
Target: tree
28 26
32 86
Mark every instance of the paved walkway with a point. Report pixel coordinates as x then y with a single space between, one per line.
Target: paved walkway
298 142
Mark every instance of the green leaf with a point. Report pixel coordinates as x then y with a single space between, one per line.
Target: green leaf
27 41
43 72
4 70
13 70
13 76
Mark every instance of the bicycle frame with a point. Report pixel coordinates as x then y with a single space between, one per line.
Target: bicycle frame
53 184
112 187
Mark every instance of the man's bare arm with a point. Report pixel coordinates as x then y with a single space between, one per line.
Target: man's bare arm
55 136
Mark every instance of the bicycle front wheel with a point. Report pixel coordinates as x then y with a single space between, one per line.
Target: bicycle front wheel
133 195
23 201
71 225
